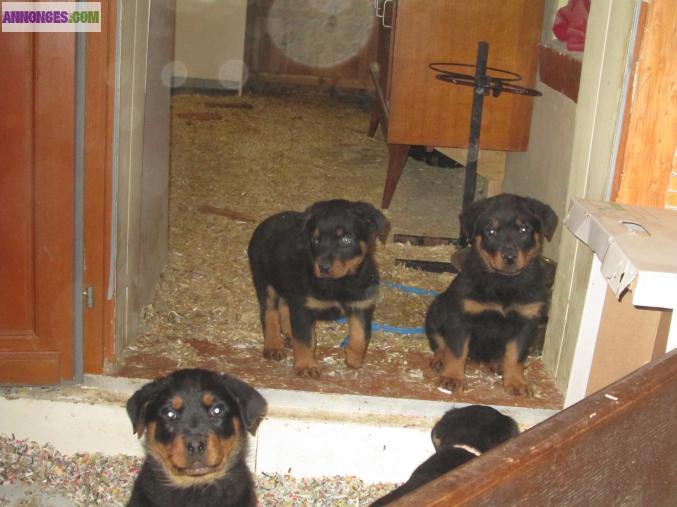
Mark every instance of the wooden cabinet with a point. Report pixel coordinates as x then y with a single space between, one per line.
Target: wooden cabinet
422 110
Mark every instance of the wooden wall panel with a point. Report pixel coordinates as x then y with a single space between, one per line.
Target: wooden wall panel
647 158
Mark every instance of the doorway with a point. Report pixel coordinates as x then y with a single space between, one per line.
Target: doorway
236 159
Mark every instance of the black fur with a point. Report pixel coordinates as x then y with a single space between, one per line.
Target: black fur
479 427
316 265
195 423
496 303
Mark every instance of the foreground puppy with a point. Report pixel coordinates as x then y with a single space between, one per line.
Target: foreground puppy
458 437
316 265
491 311
195 423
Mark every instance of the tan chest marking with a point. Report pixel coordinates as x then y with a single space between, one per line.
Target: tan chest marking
527 310
364 304
473 307
320 305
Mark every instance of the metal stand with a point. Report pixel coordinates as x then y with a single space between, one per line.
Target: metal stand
482 85
475 123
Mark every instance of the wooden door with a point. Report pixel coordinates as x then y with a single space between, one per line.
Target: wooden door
36 207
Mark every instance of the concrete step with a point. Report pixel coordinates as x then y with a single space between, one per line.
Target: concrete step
305 434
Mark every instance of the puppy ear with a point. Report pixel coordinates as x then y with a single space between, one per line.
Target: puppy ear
309 213
253 406
136 405
468 219
545 215
376 220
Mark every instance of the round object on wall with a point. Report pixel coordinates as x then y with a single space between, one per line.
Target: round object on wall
320 33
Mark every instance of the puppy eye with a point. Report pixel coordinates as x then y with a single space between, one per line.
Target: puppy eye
217 410
490 232
170 414
346 240
523 229
314 240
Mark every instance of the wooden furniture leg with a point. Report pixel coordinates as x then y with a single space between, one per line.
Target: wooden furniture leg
379 112
397 157
374 121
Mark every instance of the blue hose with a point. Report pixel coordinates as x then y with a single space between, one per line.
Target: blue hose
407 288
375 326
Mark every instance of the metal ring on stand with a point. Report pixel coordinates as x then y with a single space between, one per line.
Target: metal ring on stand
493 83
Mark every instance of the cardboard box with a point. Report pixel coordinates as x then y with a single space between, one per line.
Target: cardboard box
637 248
631 293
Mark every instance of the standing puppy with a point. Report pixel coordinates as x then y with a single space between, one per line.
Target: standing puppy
316 265
491 311
195 422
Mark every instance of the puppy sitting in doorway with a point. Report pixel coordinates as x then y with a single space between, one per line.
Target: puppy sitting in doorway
492 309
316 265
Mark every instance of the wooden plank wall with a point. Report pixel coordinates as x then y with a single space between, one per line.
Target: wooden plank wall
615 447
266 62
647 159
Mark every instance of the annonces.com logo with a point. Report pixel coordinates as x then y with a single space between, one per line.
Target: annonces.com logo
51 16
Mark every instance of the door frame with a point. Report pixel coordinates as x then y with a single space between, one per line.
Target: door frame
98 319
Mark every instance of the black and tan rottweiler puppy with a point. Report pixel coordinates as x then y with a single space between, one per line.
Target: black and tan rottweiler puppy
492 309
196 423
461 435
316 265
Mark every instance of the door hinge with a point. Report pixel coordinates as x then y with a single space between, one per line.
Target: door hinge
88 294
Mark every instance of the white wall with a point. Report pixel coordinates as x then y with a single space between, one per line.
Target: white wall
209 41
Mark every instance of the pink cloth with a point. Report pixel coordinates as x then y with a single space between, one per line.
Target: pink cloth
571 22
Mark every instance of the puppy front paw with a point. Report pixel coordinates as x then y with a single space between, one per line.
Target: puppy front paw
308 372
275 354
354 360
517 387
453 384
435 364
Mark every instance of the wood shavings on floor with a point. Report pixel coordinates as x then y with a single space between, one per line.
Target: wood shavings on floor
252 156
38 475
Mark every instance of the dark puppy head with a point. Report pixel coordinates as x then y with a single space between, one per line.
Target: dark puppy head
478 426
195 423
507 231
341 234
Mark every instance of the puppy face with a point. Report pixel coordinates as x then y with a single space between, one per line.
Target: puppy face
195 423
341 234
507 231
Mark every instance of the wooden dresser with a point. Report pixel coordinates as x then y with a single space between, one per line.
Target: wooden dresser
419 109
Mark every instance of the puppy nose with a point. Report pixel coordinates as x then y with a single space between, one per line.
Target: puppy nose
325 267
195 445
509 257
